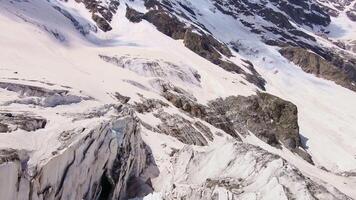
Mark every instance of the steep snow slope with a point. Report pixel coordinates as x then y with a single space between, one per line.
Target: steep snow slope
40 46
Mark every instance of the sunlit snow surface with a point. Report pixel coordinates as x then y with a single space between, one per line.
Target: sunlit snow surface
30 51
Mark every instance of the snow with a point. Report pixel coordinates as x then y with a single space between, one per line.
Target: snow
342 27
29 51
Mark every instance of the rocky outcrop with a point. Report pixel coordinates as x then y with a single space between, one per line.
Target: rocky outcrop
184 102
273 120
149 105
351 14
102 12
133 15
182 129
10 122
166 23
102 164
337 69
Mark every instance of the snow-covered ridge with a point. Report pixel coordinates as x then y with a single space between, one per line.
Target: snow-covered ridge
70 94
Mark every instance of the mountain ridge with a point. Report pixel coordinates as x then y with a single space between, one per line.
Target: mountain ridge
175 99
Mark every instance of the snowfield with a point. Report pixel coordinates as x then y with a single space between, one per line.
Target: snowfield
79 76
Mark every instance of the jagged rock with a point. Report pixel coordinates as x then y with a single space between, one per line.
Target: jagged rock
10 122
183 102
351 14
122 99
149 105
98 163
180 128
337 70
166 23
133 15
102 23
9 155
268 117
102 12
204 129
4 128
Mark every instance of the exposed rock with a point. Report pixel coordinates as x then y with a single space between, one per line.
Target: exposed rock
99 163
149 105
204 129
337 70
351 14
185 103
133 15
268 117
180 128
166 23
102 23
273 120
10 122
9 155
4 128
102 12
122 99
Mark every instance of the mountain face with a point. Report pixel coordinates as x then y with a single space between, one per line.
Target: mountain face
177 99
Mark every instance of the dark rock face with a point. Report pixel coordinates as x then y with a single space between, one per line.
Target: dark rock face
166 23
10 122
182 129
351 14
270 118
133 15
206 46
102 13
9 155
149 105
273 120
337 69
185 103
102 23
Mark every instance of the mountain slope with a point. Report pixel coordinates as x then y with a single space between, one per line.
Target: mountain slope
120 99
